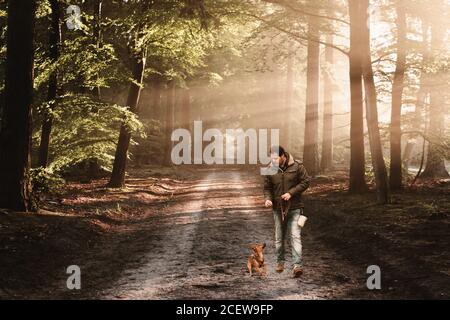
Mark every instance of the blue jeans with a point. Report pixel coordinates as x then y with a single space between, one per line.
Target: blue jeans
291 227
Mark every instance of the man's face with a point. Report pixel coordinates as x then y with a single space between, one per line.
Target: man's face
278 160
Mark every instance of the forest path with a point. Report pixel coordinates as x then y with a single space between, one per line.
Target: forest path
197 246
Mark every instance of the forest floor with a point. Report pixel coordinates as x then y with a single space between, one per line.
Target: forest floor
175 234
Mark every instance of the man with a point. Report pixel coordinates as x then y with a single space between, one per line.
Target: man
282 192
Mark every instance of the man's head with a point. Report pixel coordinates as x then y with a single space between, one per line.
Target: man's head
278 155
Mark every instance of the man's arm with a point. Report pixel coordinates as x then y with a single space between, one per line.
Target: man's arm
303 179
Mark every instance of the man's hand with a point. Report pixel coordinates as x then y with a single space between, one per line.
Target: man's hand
268 203
286 196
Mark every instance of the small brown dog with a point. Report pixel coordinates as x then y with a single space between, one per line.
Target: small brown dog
256 260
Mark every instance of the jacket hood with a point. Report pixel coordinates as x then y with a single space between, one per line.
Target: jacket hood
291 160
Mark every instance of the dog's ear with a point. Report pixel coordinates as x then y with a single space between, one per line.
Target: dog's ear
264 245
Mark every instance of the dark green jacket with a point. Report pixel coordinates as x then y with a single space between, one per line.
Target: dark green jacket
293 179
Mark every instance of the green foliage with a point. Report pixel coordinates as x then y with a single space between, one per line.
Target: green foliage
85 129
45 181
81 64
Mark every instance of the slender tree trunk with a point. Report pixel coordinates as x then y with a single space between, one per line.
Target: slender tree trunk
120 161
186 119
98 36
395 176
357 183
156 100
289 94
186 107
94 167
47 123
3 22
327 132
422 96
15 136
311 148
376 150
424 89
169 123
435 165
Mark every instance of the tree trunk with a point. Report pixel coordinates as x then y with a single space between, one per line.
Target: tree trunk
395 176
327 132
435 165
169 123
376 150
97 22
98 36
15 137
186 113
94 167
357 183
424 89
156 109
289 94
47 123
311 148
120 161
421 99
3 22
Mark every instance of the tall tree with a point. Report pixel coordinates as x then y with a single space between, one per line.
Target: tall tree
424 89
423 93
98 35
117 179
311 146
357 181
376 151
54 48
289 94
395 169
435 165
326 161
15 135
164 29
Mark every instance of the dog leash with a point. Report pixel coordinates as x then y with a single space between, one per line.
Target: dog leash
284 209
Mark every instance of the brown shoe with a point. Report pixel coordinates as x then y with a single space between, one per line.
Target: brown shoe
280 267
298 271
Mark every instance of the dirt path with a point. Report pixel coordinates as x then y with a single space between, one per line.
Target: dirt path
196 247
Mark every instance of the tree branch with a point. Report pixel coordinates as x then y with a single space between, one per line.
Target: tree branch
293 8
298 36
